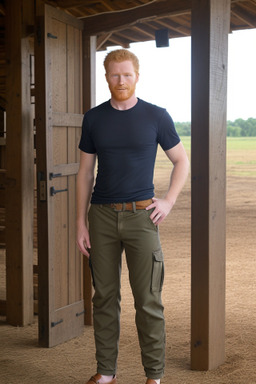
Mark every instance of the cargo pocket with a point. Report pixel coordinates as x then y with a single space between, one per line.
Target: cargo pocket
157 278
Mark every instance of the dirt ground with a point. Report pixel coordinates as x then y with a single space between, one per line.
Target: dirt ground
23 362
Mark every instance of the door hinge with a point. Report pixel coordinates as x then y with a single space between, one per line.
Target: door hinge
51 36
53 191
54 175
80 313
54 323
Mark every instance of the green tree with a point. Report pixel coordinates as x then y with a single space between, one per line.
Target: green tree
233 131
237 128
183 129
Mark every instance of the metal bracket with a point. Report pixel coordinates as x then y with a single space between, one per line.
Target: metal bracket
54 175
53 191
54 323
80 313
51 36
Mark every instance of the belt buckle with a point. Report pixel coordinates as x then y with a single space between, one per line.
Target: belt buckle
122 209
115 207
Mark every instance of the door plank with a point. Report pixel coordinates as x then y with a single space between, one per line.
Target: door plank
67 119
61 303
66 169
70 321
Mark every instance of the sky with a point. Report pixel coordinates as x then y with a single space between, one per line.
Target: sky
165 76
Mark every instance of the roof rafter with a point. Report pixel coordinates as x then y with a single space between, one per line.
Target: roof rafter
170 26
118 41
144 32
243 15
69 4
119 20
102 39
129 36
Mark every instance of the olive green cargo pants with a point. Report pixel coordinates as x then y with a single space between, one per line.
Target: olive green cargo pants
111 232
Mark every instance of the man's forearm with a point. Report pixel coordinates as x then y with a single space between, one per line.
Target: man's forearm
84 191
178 178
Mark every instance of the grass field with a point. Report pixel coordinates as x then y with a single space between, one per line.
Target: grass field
241 155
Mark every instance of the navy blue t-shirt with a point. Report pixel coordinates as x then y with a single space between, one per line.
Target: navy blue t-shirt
126 145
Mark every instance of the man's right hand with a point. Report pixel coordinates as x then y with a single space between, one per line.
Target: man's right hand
83 240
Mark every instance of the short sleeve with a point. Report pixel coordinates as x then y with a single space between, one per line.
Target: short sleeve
86 142
167 135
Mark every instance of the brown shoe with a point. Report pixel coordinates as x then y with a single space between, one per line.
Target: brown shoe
95 380
150 381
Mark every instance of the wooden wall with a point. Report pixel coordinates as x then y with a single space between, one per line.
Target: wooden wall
19 164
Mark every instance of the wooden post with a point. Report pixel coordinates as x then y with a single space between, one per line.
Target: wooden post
19 165
89 101
89 72
210 27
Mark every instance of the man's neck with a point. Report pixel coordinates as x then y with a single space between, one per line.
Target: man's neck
124 105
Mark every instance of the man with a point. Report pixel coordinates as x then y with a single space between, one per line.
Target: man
124 214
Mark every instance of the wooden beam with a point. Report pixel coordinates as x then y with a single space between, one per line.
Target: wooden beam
89 100
210 28
177 28
2 307
120 40
77 3
2 236
19 167
2 10
2 102
94 7
244 15
125 38
103 23
2 205
143 31
2 177
89 72
102 39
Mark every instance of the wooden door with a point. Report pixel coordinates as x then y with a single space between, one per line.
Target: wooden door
58 69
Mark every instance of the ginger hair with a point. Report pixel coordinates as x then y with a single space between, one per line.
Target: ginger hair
120 55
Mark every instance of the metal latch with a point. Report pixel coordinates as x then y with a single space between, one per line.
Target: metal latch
53 191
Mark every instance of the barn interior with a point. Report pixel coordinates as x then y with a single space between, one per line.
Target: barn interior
36 38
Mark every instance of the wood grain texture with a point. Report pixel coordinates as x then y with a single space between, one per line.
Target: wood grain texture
210 27
63 293
19 168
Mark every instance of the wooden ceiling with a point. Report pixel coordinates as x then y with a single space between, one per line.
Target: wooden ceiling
114 21
121 22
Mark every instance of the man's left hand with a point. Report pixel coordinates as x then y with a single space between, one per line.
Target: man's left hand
162 208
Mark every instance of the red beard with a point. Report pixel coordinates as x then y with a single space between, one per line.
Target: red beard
122 93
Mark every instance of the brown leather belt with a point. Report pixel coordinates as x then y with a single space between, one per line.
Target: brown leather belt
131 206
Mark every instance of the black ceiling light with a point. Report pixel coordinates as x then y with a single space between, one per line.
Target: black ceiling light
162 38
